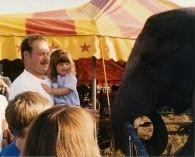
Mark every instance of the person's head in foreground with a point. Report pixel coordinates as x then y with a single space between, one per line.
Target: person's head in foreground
62 131
22 110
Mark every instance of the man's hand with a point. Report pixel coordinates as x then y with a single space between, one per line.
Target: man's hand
94 112
4 142
8 137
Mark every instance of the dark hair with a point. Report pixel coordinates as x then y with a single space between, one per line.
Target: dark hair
1 69
26 44
59 56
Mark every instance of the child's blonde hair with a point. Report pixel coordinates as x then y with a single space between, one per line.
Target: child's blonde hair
60 56
23 109
62 131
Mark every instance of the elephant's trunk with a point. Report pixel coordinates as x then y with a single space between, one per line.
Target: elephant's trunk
129 104
155 145
159 139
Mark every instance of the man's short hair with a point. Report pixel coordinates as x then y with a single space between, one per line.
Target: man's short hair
1 69
26 44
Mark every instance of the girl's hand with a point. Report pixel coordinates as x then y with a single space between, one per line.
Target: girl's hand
47 88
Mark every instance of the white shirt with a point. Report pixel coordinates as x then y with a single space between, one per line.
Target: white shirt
3 105
28 82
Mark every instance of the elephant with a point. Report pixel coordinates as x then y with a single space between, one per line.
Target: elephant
160 71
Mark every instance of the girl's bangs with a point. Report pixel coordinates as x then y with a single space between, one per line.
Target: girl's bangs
63 60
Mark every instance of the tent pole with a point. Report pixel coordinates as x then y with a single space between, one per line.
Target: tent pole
94 92
94 82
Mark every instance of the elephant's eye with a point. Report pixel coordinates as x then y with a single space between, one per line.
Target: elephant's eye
151 67
149 63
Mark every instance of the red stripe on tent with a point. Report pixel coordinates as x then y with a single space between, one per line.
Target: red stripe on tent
57 23
120 17
102 4
153 6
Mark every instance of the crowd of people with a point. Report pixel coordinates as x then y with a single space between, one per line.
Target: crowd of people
40 109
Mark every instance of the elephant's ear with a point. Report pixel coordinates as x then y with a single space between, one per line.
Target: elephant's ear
180 95
185 58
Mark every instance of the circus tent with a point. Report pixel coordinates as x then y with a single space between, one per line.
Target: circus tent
104 29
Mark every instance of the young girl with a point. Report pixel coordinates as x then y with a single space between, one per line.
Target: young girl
64 82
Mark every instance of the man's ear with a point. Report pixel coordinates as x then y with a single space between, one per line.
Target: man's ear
26 54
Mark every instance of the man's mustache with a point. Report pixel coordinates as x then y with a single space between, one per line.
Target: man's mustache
44 62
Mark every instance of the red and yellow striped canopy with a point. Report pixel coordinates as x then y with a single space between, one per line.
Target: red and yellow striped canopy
101 28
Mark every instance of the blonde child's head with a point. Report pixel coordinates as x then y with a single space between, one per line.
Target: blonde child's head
62 131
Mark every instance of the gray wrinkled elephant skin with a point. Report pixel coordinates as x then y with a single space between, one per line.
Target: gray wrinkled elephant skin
159 72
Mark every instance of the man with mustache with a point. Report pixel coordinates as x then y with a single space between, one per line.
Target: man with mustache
35 55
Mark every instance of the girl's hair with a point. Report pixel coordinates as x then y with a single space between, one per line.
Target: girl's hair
59 56
62 131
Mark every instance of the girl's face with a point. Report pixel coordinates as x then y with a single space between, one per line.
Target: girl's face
63 68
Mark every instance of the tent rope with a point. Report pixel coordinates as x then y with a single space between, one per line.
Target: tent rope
106 82
112 144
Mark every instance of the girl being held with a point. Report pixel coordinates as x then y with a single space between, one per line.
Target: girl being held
64 82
